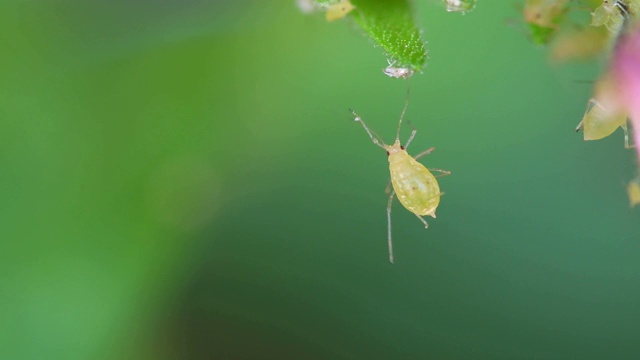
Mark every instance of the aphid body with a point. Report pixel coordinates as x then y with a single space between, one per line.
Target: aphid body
414 184
603 114
416 187
611 14
339 10
398 72
599 122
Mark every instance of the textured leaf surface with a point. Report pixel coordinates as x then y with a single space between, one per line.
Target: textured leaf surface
391 25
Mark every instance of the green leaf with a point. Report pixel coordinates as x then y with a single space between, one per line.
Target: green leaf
391 25
541 34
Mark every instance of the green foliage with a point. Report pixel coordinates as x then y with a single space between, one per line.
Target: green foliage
391 25
544 18
541 34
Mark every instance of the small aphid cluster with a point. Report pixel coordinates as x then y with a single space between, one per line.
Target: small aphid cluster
612 14
577 40
616 96
603 114
414 185
462 6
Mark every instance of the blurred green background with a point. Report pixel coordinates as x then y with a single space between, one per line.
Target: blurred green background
182 180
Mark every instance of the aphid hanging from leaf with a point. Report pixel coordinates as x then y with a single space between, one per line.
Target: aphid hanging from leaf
460 5
414 184
544 18
338 10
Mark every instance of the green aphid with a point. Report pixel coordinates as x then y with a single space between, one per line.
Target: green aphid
613 13
600 121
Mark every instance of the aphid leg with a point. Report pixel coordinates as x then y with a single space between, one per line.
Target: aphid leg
626 137
389 241
413 134
623 8
424 153
373 136
423 221
590 104
442 172
388 188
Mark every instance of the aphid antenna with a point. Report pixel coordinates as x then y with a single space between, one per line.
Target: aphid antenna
375 138
626 137
404 109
